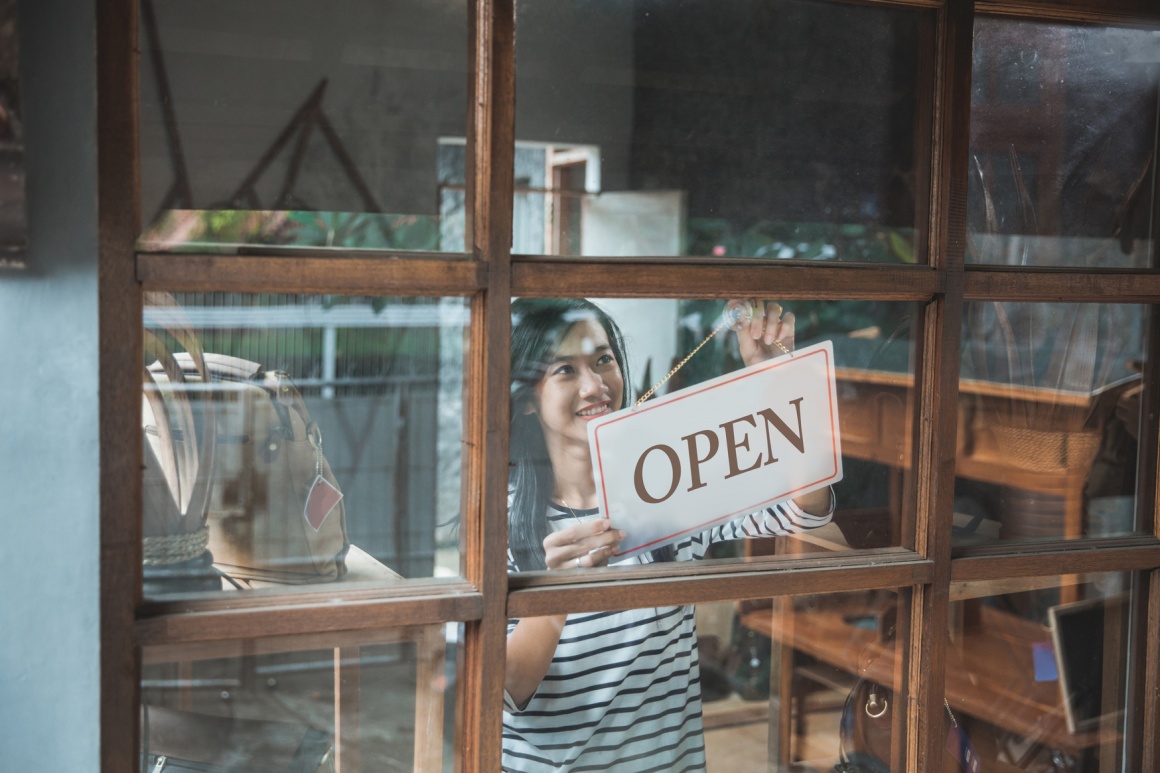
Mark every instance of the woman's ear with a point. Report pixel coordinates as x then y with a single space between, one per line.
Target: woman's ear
529 407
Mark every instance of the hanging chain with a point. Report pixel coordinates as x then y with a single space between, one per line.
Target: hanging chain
950 713
726 321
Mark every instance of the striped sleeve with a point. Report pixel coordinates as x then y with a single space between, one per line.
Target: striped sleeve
776 520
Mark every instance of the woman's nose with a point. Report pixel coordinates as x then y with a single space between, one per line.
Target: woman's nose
591 384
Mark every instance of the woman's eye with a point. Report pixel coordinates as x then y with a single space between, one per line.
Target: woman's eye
563 370
605 359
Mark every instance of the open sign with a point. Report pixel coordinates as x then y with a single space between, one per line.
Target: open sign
719 450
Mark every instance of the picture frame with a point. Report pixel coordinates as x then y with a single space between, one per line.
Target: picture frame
1079 632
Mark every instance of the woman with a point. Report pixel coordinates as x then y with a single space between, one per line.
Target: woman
611 690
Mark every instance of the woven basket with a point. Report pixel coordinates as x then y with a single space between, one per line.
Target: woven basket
1046 450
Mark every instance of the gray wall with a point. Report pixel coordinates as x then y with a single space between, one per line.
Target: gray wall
237 72
49 655
575 75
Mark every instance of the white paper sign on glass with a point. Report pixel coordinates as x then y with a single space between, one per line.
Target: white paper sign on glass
718 450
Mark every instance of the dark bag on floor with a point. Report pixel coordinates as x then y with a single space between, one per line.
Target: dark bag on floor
864 731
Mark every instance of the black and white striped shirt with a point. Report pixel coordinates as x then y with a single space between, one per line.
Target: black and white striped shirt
623 691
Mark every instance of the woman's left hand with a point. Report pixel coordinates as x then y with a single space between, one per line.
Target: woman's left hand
758 341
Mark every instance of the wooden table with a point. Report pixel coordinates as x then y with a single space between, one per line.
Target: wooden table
876 416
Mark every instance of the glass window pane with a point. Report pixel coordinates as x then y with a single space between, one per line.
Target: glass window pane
1038 672
325 447
763 684
773 130
372 701
303 124
670 473
1063 134
1049 415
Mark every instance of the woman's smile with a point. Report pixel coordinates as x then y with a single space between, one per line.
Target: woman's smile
594 411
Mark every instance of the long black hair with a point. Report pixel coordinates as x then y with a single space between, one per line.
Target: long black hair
539 325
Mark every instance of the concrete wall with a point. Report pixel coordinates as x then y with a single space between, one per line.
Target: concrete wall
49 654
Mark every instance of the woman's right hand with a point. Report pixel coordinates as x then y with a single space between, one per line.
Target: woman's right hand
583 545
769 333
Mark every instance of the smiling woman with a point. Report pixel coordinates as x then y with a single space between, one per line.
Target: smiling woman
610 690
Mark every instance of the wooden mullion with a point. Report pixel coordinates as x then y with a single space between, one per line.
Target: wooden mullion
1133 689
1145 755
901 4
120 357
273 645
1150 690
693 589
1148 432
1060 546
1148 456
635 278
1058 285
305 252
491 149
1034 563
269 597
882 558
320 617
356 275
925 626
1074 11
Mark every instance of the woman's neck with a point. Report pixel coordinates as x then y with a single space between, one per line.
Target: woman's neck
572 469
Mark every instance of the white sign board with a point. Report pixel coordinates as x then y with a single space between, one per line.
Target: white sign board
718 450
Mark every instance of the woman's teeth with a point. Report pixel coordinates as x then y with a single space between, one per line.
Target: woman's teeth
594 411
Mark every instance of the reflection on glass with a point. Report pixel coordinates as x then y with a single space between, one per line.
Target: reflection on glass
1063 131
297 440
770 130
299 124
377 701
1038 672
764 684
575 360
1049 415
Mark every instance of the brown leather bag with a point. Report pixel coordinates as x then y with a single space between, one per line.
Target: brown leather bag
275 510
276 513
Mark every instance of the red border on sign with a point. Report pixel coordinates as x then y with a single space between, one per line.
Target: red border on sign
775 363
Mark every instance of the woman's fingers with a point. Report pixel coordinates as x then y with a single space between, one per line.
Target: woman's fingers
785 330
772 322
578 531
756 320
598 557
770 332
584 545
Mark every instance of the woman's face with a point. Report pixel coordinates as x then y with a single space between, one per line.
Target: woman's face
581 383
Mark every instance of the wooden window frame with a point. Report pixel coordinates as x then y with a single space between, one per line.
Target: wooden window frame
489 276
